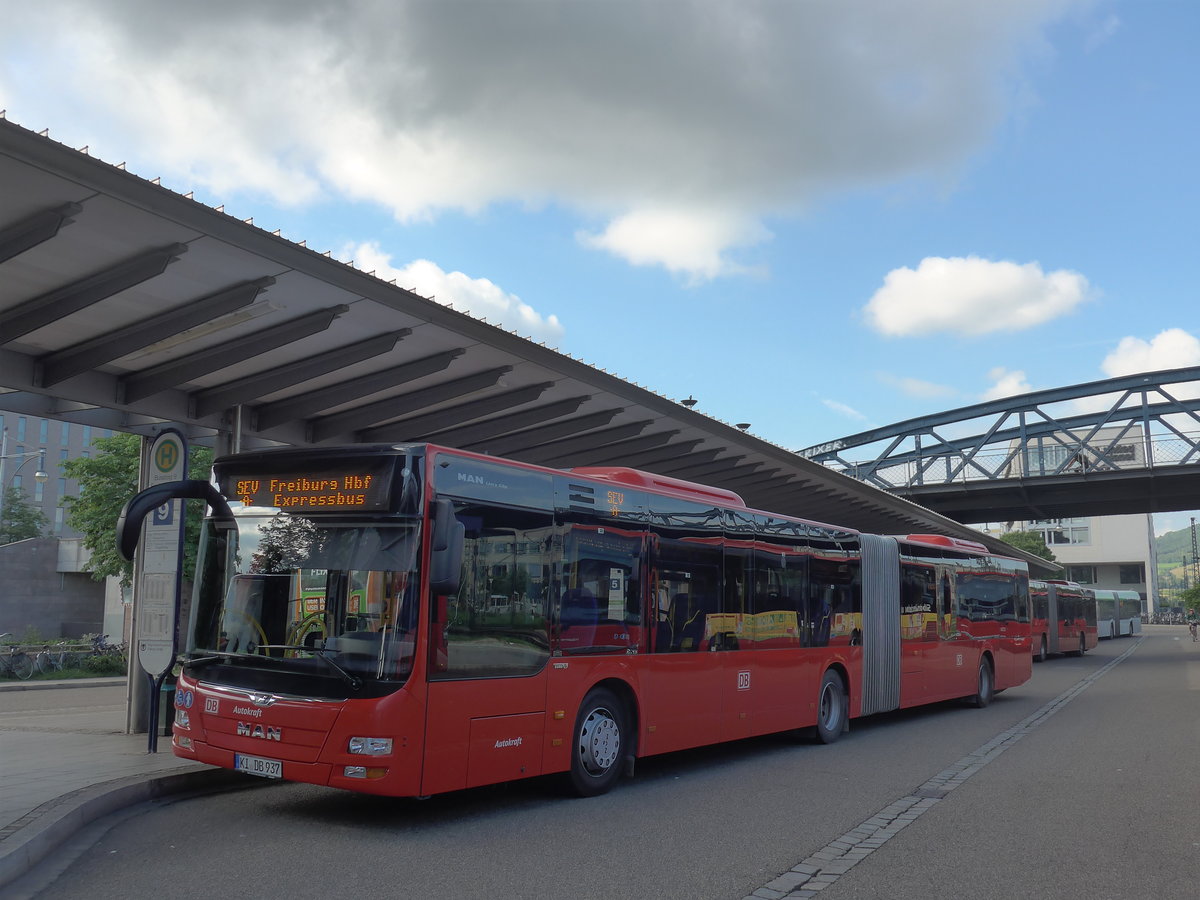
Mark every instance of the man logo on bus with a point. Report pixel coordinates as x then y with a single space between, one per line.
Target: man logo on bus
255 730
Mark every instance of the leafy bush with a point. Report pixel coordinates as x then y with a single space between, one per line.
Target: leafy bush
104 665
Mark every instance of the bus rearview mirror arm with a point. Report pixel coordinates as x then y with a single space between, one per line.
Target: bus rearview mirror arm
129 523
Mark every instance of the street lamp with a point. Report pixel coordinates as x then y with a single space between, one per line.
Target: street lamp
39 474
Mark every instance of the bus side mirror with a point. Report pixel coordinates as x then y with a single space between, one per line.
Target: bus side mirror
446 549
129 523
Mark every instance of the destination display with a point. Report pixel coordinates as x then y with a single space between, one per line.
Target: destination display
357 485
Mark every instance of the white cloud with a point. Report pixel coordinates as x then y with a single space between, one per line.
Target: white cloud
478 296
915 387
635 114
690 243
1006 383
842 409
972 296
1170 349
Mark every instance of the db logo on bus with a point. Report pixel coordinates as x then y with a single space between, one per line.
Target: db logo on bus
743 681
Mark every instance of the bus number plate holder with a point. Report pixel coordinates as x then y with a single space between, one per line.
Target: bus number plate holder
256 765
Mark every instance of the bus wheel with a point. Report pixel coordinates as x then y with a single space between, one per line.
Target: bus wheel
1041 656
986 685
601 729
831 708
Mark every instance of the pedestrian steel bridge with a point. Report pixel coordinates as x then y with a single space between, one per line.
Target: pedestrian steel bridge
1122 445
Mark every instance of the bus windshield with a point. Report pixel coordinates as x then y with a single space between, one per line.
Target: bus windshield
303 595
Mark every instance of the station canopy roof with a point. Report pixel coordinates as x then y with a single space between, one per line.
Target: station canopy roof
126 305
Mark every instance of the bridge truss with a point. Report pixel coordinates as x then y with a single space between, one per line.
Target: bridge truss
1059 452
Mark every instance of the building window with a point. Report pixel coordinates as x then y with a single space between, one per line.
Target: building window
39 491
1082 574
58 520
1133 573
1063 531
87 435
43 430
20 428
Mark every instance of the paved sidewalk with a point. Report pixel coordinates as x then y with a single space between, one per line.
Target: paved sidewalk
66 761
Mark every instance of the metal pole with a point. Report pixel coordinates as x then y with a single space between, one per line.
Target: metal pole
3 457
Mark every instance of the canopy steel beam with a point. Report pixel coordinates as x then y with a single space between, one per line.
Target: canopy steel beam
529 439
612 453
693 471
356 418
252 387
272 415
52 368
184 368
50 307
670 451
494 436
38 228
564 449
421 426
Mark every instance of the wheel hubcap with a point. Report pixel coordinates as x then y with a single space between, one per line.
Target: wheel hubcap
829 706
599 741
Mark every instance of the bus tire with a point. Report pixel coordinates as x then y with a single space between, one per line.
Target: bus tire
1042 652
832 708
601 740
985 688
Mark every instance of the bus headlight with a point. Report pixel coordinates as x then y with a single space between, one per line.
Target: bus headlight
371 746
363 772
181 718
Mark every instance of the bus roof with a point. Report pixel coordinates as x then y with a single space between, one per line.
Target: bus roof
661 483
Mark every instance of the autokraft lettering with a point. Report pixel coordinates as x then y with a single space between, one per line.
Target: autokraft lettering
257 730
247 711
509 742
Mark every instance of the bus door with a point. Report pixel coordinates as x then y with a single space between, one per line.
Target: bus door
946 664
683 692
486 713
733 633
768 682
919 603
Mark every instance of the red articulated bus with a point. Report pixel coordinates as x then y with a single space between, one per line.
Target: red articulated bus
520 621
1064 618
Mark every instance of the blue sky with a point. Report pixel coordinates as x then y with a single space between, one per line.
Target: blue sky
814 217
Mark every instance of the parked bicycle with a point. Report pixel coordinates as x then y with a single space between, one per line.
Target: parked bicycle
47 661
15 662
101 647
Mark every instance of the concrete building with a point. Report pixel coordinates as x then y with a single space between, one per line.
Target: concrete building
46 586
1112 552
57 442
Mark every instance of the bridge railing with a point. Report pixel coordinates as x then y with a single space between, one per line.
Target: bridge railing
961 462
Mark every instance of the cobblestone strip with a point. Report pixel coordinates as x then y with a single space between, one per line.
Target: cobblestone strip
835 859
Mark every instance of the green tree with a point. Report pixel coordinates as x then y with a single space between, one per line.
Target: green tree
107 479
1030 542
1190 599
22 520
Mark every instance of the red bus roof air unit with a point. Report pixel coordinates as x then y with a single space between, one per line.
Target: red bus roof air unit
662 483
941 540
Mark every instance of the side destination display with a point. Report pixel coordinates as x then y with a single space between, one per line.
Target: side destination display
337 485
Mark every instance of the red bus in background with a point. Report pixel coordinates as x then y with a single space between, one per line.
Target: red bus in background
1064 618
482 620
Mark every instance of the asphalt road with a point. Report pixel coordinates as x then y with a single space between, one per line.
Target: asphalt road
1097 794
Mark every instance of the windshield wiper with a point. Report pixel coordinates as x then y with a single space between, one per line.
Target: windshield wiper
215 656
354 681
